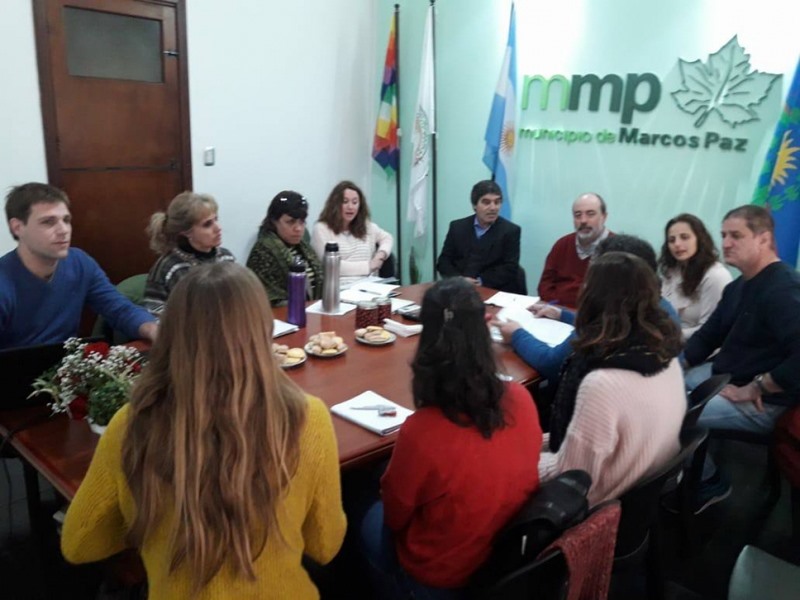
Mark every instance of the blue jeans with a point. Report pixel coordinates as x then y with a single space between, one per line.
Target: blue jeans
721 413
389 579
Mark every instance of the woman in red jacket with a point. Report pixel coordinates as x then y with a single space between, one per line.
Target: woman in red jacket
464 462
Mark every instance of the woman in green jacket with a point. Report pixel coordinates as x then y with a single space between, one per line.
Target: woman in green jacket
280 242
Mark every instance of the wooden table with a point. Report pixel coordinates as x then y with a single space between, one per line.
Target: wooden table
61 449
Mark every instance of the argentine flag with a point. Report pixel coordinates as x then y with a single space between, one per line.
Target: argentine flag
501 131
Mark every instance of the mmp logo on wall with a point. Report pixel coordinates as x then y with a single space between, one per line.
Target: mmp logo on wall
721 92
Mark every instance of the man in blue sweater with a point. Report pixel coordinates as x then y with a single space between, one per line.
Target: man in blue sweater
756 327
547 360
44 284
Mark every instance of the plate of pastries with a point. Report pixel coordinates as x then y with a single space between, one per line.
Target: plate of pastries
288 357
326 344
374 335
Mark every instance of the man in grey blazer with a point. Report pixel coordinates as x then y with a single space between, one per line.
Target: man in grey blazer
484 247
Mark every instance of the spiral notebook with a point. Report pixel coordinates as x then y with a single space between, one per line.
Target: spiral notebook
370 418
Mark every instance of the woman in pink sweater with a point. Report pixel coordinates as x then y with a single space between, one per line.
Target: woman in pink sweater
620 402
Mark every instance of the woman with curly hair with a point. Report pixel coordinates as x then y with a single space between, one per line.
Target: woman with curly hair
221 471
620 402
693 276
344 219
464 462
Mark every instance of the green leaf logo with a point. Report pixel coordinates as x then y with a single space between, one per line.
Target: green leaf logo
724 84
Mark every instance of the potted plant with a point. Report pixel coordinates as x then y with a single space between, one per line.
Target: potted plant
93 379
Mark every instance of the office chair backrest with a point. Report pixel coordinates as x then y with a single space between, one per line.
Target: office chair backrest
699 397
640 503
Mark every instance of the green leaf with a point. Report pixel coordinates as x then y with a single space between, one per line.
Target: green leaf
724 84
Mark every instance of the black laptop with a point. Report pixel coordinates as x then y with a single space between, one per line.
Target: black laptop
19 367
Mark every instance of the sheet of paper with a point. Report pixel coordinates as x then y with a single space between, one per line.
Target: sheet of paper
400 303
503 299
354 296
280 328
316 308
548 331
401 329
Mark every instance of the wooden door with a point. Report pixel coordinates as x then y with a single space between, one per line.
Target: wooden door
115 106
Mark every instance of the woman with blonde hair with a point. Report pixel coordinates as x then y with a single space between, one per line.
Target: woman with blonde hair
186 235
220 471
345 219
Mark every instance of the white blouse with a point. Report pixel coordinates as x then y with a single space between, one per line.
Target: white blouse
356 253
695 311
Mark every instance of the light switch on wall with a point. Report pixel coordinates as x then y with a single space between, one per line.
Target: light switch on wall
209 156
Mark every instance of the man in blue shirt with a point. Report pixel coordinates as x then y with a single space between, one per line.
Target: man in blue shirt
44 284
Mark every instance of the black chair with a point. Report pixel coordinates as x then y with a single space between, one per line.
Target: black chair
513 570
637 538
521 283
388 269
544 579
773 472
699 397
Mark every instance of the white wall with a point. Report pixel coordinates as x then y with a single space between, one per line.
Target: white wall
285 92
21 138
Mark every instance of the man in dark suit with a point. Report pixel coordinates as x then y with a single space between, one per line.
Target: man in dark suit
484 247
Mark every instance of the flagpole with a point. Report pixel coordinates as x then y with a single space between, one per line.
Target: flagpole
433 140
399 260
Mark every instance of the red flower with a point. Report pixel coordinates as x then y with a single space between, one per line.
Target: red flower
137 367
100 348
79 408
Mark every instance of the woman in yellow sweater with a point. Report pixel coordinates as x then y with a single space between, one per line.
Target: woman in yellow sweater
221 472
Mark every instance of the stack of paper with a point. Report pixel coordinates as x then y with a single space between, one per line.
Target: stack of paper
548 331
362 410
401 329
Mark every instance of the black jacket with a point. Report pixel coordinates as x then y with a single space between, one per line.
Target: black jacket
494 257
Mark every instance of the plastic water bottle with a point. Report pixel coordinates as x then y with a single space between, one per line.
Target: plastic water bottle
330 278
296 287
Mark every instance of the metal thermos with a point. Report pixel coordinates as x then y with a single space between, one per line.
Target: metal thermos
330 278
296 287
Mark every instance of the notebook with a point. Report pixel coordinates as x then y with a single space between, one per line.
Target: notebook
370 419
19 367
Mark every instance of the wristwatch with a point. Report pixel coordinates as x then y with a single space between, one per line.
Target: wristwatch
759 381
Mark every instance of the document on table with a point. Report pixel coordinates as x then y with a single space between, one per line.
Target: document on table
280 328
375 287
548 331
352 296
363 410
316 308
503 299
